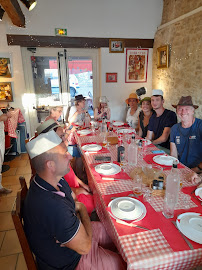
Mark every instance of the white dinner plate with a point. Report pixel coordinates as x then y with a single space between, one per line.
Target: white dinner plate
126 130
91 147
198 193
165 160
84 131
190 224
126 208
118 123
107 168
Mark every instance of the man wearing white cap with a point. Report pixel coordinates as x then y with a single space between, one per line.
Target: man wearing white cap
161 121
58 229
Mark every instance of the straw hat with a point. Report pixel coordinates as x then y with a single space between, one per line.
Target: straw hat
132 95
103 99
47 126
185 101
43 143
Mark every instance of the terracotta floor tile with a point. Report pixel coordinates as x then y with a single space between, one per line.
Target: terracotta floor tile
17 158
10 180
6 221
21 264
6 203
2 234
10 172
18 163
23 170
24 156
8 262
10 244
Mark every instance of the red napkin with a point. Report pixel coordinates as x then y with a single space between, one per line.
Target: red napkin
103 150
149 160
98 177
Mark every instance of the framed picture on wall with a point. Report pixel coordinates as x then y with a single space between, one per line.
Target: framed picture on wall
162 56
5 66
6 91
136 65
111 77
116 46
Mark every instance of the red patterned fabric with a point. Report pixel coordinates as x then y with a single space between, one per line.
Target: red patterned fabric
11 124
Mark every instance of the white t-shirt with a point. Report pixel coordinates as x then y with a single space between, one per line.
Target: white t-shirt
132 120
80 117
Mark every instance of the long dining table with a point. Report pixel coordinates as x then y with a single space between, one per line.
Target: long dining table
160 247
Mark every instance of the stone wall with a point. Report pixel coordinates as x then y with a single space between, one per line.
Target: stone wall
184 74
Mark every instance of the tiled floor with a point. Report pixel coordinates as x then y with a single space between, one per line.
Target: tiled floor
11 257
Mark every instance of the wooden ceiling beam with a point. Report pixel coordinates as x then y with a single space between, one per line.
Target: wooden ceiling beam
14 12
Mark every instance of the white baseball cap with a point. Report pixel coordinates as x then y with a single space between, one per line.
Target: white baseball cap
47 126
157 92
43 143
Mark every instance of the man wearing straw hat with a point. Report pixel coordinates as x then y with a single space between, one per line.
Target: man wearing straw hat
58 229
186 137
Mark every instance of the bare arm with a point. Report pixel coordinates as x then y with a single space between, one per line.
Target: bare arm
108 113
3 117
198 168
81 242
173 150
163 137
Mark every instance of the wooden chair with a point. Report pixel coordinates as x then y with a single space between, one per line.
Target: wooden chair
18 222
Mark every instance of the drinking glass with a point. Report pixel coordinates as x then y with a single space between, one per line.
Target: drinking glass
110 128
169 205
123 161
104 144
147 194
137 185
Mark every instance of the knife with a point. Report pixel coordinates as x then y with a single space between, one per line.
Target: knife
184 237
131 224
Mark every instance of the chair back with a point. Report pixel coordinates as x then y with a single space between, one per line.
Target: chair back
17 216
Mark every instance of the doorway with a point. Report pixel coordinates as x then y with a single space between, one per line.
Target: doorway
53 77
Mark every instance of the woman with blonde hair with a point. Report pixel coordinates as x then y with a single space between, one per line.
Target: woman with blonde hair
102 111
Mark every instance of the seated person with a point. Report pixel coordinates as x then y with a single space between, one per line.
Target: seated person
80 189
3 118
161 121
186 137
102 111
58 229
77 112
133 111
55 113
144 116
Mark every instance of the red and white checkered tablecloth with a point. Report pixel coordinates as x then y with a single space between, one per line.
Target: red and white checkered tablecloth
163 246
11 124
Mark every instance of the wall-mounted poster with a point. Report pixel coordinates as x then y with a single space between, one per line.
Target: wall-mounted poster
5 67
6 91
136 65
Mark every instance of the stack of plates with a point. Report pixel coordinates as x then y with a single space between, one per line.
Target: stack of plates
126 130
107 168
118 123
91 147
84 131
190 224
127 208
198 193
165 160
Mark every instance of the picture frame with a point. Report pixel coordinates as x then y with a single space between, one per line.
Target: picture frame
116 45
111 77
162 56
5 66
6 93
136 65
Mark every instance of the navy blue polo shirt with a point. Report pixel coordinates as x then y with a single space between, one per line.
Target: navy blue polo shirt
157 125
49 216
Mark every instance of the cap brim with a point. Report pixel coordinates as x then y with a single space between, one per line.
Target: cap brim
195 106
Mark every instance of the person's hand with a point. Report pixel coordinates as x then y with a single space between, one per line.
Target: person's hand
195 179
81 190
86 187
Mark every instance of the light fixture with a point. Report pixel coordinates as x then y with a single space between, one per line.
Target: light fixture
1 13
30 4
141 91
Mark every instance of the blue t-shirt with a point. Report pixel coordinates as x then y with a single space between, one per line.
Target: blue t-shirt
48 217
157 125
188 142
